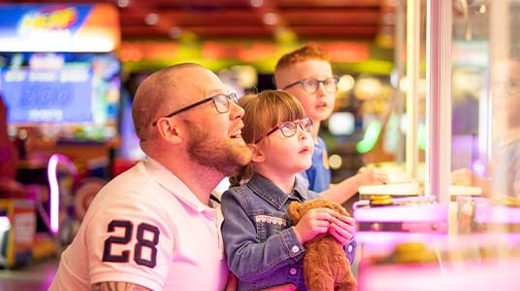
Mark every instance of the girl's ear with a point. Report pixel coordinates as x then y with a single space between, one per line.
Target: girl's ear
168 130
258 154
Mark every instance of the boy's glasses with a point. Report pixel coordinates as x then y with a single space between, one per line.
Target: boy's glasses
289 128
221 102
312 85
510 87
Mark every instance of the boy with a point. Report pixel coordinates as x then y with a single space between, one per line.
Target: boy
307 74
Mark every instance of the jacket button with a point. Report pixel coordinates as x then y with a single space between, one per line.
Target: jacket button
349 249
292 271
295 249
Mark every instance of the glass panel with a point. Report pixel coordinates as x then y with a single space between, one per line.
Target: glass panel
409 241
485 104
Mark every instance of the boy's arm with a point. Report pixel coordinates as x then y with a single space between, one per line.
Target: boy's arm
465 177
347 188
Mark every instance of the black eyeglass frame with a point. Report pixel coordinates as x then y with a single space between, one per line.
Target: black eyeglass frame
231 96
336 81
279 126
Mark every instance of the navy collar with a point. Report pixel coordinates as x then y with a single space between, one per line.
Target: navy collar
268 191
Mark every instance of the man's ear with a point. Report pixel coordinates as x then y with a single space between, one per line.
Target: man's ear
258 155
169 130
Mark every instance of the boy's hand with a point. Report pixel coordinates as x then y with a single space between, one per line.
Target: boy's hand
462 177
465 177
371 176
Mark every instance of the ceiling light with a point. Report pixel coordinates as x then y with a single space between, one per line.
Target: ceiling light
346 83
270 18
175 32
123 3
257 3
151 19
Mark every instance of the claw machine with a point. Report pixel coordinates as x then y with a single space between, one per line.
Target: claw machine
459 228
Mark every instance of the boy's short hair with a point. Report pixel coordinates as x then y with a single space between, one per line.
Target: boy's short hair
304 53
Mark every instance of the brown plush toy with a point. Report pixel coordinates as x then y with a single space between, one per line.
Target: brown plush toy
325 264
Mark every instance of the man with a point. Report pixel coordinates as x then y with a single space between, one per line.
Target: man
151 228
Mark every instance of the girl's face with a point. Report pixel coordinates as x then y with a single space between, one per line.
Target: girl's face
288 149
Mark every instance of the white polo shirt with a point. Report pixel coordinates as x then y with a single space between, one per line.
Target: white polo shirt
148 228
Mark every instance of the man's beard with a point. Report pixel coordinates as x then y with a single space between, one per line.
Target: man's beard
217 153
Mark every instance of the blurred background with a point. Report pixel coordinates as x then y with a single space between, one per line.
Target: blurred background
69 69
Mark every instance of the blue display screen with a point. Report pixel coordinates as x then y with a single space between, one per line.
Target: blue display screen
77 93
48 96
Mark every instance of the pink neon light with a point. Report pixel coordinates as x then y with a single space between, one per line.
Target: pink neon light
426 212
5 223
477 275
52 176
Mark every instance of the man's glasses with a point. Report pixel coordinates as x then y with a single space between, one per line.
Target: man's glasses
312 85
221 102
289 128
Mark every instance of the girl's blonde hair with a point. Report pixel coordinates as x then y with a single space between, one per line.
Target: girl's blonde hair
264 111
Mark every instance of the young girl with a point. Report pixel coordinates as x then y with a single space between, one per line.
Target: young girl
263 248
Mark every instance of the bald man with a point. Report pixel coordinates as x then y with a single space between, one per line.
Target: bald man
153 227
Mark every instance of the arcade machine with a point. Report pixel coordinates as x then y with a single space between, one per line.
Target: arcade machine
427 234
60 80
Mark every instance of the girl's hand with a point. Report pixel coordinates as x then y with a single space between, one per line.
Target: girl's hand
314 222
342 228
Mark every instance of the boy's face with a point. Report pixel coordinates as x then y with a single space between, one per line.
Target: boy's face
318 105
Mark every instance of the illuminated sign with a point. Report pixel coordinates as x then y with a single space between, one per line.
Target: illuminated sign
49 19
59 27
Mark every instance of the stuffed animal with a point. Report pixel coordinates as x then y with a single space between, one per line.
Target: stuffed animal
325 264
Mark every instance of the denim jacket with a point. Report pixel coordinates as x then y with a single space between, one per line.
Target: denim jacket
261 245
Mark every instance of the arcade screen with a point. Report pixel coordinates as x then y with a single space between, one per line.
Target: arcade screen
67 96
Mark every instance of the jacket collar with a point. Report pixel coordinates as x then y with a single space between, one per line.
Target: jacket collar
268 191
